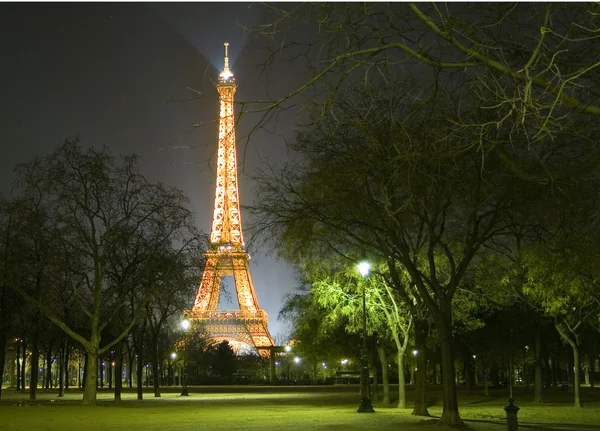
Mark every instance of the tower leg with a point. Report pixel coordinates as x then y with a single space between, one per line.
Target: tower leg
243 285
207 297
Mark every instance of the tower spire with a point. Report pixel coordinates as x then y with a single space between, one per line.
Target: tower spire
226 56
226 76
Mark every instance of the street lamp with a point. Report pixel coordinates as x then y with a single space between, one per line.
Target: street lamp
185 325
365 399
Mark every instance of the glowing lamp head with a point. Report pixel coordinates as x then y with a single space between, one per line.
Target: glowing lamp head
225 75
364 268
185 325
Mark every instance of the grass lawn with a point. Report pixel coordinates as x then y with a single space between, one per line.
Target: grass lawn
282 408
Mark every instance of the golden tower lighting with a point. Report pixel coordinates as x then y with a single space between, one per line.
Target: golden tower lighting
227 254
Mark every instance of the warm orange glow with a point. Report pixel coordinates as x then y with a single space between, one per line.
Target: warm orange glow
226 226
227 255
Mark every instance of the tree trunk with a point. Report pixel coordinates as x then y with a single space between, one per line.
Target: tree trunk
385 375
118 371
4 323
79 383
401 380
511 375
375 387
48 377
100 366
109 374
155 365
90 381
139 373
130 373
376 376
450 414
90 387
35 363
421 329
486 376
23 364
3 337
66 363
62 369
573 342
85 365
592 370
538 383
469 372
576 375
138 347
19 365
495 376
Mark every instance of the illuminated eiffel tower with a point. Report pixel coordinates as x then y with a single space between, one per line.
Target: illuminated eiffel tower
227 255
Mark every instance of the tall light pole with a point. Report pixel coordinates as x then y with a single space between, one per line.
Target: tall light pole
185 325
171 370
365 398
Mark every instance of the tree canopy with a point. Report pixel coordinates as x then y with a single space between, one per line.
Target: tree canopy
93 226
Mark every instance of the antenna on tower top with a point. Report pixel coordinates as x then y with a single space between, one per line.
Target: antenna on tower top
226 56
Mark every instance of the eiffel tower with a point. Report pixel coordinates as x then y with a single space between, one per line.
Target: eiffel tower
227 255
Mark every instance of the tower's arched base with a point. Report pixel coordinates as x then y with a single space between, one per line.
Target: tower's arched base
249 327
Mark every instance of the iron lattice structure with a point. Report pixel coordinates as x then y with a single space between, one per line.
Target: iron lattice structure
227 255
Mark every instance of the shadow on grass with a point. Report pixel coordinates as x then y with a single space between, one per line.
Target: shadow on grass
464 427
540 426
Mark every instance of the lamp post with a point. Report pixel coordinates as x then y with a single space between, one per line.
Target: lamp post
365 399
171 370
185 325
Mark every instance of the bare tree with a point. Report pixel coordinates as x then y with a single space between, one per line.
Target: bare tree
109 221
533 68
176 282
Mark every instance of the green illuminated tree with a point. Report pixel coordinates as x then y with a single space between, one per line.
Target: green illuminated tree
315 336
379 174
341 295
564 295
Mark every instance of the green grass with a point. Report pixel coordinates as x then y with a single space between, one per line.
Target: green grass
281 408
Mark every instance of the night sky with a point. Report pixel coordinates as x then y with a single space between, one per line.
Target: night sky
118 75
